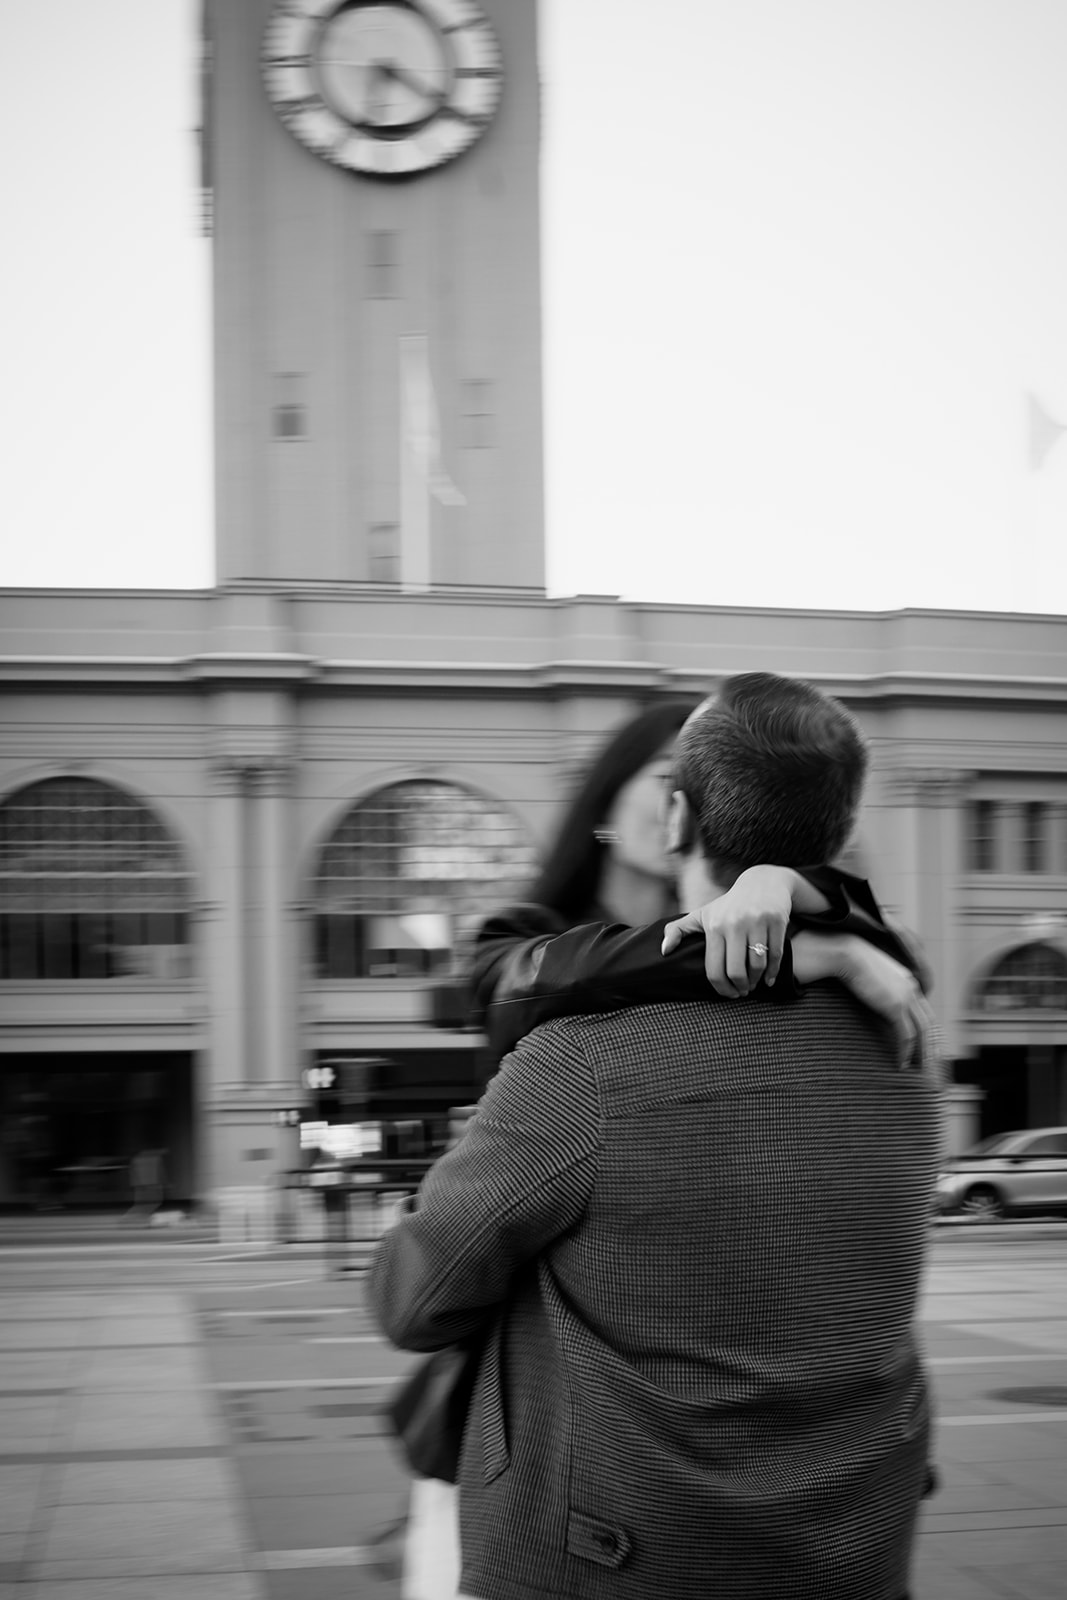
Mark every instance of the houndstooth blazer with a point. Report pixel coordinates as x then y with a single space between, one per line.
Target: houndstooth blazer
694 1235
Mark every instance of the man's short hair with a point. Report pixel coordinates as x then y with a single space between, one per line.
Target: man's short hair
773 770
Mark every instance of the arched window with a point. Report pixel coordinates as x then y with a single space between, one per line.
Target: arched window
408 876
92 885
1031 978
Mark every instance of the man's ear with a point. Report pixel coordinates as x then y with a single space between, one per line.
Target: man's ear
680 824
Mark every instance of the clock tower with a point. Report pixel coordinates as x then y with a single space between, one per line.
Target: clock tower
373 184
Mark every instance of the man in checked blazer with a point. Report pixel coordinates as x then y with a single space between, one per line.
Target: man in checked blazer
692 1237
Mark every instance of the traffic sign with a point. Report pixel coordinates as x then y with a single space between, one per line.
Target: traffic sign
319 1077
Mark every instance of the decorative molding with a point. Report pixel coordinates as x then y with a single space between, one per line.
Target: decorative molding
548 675
927 787
229 666
43 1033
1012 1027
267 775
201 911
1008 917
227 778
258 1103
272 779
437 743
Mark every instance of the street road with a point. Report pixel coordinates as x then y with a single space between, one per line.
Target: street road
167 1372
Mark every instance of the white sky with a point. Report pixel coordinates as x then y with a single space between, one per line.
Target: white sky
804 259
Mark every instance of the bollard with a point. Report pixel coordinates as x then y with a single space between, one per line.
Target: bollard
333 1188
246 1213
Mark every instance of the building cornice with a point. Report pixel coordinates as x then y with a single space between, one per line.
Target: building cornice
927 786
300 637
263 670
384 594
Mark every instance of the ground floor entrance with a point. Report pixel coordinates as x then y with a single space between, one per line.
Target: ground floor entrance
406 1094
1023 1085
73 1127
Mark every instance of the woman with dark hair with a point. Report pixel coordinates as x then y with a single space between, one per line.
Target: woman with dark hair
580 858
591 939
593 935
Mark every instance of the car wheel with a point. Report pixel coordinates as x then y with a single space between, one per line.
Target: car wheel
982 1201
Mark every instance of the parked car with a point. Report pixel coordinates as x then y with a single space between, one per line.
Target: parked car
1011 1172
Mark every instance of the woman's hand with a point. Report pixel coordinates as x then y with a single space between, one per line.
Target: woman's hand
920 961
744 929
881 983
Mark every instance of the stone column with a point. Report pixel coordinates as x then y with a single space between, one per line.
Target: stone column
933 802
223 932
220 1071
274 984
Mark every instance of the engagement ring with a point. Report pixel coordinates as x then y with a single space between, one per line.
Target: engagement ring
760 949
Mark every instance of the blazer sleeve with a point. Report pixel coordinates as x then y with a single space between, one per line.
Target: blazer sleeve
854 909
528 968
520 1176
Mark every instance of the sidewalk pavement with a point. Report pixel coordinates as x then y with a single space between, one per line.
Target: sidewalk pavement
995 1332
224 1443
114 1466
144 1456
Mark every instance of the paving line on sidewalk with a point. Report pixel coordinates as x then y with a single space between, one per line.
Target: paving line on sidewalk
988 1361
67 1349
224 1385
250 1249
285 1314
974 1321
67 1457
243 1385
342 1338
991 1417
247 1288
341 1555
987 1292
122 1251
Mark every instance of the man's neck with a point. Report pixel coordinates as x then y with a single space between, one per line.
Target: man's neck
696 886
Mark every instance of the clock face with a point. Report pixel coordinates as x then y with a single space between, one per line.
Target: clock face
387 89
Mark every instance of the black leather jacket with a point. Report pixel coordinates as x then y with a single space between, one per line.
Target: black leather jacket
528 966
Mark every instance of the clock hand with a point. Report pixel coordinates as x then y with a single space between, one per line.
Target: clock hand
378 89
408 79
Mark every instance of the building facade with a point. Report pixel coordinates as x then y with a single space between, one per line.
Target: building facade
246 830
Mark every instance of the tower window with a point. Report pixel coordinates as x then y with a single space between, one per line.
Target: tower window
476 410
382 256
290 411
383 553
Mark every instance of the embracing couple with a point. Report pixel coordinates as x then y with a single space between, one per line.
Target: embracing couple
687 1237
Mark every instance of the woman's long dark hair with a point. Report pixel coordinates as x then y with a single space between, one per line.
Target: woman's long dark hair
570 876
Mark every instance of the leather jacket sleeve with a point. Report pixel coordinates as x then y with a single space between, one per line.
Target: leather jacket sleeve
528 967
